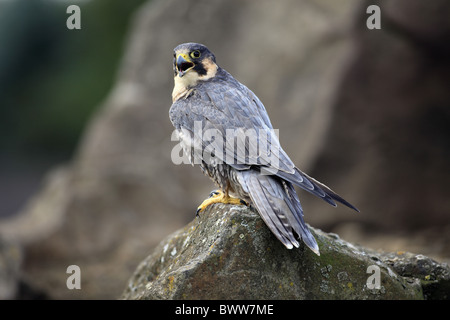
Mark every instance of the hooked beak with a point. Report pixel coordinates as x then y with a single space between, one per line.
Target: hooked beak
184 64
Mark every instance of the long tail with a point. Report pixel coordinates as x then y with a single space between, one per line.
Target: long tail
279 207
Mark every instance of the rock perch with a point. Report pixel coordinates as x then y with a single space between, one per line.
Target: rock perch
229 253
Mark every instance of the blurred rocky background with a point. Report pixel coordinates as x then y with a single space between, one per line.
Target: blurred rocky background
86 176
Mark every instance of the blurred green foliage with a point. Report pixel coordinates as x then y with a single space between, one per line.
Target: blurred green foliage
53 78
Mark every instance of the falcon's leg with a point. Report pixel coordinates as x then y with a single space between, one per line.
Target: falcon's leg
218 196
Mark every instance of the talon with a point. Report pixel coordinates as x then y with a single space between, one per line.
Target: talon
243 202
214 193
217 196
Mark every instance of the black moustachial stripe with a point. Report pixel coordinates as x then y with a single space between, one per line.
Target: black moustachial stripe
200 69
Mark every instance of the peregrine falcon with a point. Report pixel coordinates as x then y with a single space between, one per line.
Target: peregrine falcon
209 98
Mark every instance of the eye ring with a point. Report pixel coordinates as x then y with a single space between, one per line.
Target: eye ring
195 54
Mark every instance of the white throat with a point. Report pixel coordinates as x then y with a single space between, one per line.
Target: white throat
183 85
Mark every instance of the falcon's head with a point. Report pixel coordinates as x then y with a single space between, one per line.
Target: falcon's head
194 60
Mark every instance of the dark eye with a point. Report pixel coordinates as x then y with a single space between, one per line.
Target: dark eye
195 54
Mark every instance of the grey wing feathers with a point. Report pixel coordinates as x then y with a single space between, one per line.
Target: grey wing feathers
314 187
242 109
223 107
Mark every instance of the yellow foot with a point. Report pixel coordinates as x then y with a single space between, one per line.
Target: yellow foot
217 196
